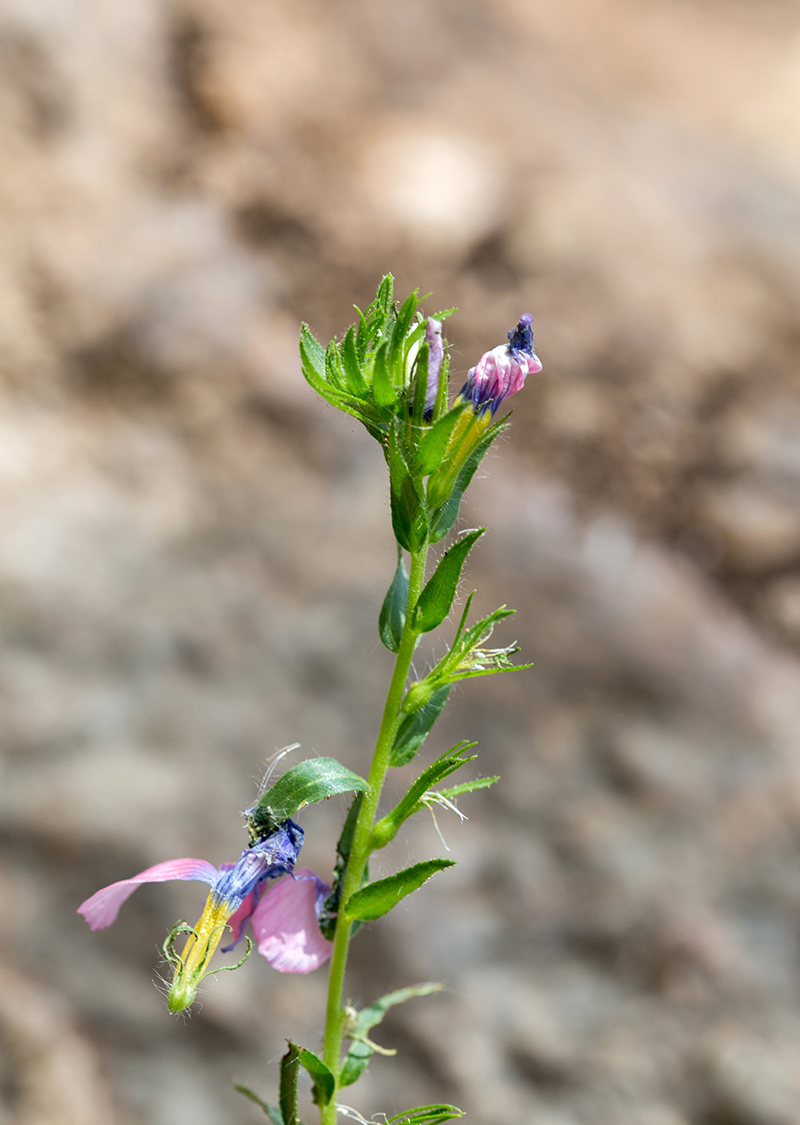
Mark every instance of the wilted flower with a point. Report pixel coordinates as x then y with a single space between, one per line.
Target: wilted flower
501 372
284 916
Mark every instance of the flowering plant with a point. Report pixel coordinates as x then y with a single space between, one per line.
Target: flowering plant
390 370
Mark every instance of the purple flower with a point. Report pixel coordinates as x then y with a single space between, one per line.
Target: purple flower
501 372
284 916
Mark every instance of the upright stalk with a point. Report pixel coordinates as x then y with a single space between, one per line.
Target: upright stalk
361 846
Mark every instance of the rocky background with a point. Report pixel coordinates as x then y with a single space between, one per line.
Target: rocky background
193 549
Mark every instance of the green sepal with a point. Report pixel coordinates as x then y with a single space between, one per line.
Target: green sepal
393 611
287 1097
420 386
351 364
434 443
436 599
362 1048
386 829
312 357
322 1077
272 1111
443 517
467 787
377 899
305 783
383 389
414 729
399 344
427 1115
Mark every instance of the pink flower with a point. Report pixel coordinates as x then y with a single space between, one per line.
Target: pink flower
500 373
284 915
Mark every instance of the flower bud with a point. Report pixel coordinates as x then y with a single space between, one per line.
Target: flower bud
433 338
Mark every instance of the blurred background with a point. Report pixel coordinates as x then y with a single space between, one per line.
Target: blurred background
193 548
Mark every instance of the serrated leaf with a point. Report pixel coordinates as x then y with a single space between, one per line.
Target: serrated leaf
272 1111
443 518
362 1049
434 443
427 1115
436 599
290 1064
305 783
393 611
321 1075
377 899
414 729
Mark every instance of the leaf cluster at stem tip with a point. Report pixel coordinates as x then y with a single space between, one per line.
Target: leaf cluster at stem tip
382 373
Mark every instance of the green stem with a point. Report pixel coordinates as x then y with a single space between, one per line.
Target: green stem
361 846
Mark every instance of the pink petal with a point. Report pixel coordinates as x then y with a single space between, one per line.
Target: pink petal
286 927
102 908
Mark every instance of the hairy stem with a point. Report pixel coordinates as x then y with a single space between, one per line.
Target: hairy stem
361 848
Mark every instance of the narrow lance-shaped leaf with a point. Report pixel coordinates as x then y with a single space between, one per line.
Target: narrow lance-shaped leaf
352 366
302 785
321 1075
379 898
393 611
409 521
414 729
290 1064
427 1115
272 1111
467 787
385 829
362 1048
436 599
383 390
330 908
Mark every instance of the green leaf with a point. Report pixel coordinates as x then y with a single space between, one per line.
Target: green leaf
414 729
330 907
409 521
383 389
386 829
436 599
312 354
321 1075
272 1111
305 783
434 443
393 611
352 366
362 1048
467 787
443 518
290 1064
379 898
427 1115
397 347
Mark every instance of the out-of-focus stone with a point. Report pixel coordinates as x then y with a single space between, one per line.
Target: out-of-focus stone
759 530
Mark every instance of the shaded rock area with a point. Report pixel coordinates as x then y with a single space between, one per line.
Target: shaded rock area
193 549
